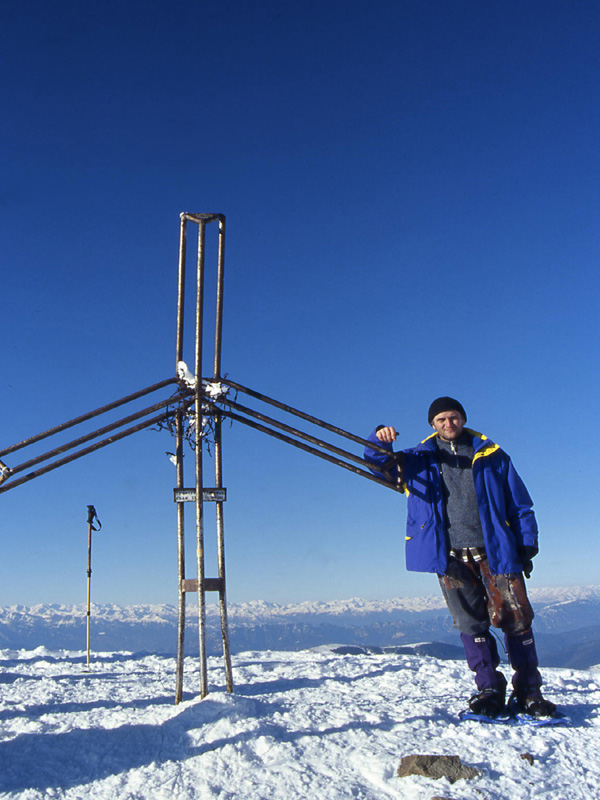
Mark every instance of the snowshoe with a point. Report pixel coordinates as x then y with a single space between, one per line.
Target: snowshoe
500 719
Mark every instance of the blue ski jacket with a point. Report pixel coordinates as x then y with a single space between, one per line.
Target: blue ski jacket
505 507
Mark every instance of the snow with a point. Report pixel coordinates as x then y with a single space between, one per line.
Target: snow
215 389
311 724
184 374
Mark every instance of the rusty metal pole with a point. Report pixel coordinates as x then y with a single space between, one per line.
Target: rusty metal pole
83 418
180 559
219 461
198 464
221 557
219 300
181 290
179 467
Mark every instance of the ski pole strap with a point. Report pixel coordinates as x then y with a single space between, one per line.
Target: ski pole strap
93 517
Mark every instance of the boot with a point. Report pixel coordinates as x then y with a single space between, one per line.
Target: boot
488 702
530 701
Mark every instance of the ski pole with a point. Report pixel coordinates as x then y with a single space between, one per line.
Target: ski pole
92 516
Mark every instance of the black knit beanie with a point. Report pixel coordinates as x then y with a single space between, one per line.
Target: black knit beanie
444 404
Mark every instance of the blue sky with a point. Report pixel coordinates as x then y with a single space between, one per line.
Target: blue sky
411 193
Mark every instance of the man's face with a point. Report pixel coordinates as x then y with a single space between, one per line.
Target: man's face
449 425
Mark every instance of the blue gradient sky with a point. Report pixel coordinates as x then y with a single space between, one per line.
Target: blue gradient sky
411 192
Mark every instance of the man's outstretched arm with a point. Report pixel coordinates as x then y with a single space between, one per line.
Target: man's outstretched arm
385 466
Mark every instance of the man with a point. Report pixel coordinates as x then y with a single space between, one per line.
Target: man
470 520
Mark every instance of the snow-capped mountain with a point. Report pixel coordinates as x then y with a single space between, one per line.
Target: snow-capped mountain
566 625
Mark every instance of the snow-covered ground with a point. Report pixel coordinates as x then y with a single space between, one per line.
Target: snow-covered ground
311 724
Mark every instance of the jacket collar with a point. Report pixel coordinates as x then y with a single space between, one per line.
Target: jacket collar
481 444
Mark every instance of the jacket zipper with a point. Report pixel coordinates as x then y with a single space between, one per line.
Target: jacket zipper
455 451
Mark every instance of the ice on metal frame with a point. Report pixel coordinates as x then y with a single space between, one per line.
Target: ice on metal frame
183 374
215 390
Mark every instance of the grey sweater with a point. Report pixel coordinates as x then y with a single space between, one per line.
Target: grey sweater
462 513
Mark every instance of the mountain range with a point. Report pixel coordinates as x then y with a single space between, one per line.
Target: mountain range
567 626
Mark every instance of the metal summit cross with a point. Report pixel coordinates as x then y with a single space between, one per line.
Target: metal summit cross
199 495
194 414
212 403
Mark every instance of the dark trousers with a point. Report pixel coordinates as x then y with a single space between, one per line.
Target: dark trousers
477 599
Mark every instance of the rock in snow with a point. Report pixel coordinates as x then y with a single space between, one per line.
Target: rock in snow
306 725
436 767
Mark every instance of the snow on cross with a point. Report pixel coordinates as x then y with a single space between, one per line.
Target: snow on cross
184 374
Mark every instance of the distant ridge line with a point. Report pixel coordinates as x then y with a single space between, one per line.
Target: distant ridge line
253 609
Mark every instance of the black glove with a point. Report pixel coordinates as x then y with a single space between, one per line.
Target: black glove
528 553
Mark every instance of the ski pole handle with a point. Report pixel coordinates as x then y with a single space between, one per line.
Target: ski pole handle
92 515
